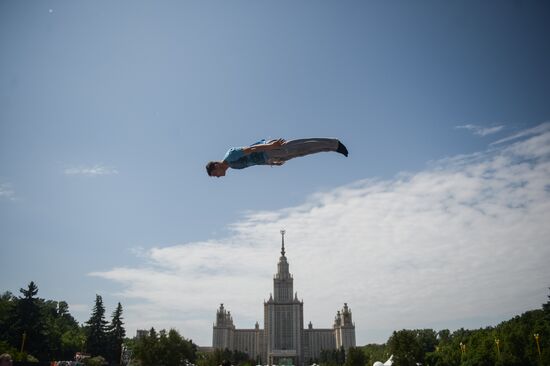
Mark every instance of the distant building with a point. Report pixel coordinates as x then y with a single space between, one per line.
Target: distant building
205 349
283 339
140 333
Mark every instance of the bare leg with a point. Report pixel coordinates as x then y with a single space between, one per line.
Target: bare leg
302 147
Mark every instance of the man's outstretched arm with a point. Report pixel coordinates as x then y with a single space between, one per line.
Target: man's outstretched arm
264 147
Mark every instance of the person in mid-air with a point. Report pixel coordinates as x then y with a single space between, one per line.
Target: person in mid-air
273 152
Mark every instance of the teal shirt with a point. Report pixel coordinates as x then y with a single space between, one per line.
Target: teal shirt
237 159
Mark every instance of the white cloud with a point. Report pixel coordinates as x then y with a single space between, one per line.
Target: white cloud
6 191
466 242
91 171
79 308
481 130
538 130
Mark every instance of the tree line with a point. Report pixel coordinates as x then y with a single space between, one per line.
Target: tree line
225 356
163 348
35 329
521 341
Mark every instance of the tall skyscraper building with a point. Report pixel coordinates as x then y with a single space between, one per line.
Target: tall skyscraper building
284 339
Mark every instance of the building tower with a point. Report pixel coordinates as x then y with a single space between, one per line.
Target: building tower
283 317
224 330
344 329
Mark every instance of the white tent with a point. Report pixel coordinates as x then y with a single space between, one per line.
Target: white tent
389 362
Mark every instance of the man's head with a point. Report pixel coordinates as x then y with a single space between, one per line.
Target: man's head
216 168
5 359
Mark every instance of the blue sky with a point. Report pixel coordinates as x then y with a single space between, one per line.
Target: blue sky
110 110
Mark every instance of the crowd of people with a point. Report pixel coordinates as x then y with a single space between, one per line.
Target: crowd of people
6 360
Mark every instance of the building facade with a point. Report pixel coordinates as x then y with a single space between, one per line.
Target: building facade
283 339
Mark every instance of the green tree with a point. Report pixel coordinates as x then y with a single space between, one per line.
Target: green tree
95 361
546 307
241 358
405 348
332 357
427 338
72 341
174 349
376 352
7 306
58 321
166 349
215 358
146 348
355 357
444 336
96 330
27 322
42 321
116 334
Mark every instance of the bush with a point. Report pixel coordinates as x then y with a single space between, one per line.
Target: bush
95 361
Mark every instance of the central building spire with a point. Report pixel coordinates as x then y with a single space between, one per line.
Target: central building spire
283 242
283 278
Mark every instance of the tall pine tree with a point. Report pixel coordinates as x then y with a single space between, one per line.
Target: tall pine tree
97 326
28 323
116 334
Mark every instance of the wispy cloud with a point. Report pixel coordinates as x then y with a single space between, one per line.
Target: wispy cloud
91 171
464 242
538 130
7 192
79 308
481 130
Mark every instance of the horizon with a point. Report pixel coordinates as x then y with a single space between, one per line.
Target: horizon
134 335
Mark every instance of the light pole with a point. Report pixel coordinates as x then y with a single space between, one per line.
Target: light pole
23 341
536 335
122 351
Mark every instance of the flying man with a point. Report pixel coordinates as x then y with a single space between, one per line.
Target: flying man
272 152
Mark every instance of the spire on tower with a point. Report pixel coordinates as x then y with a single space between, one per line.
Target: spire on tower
283 242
